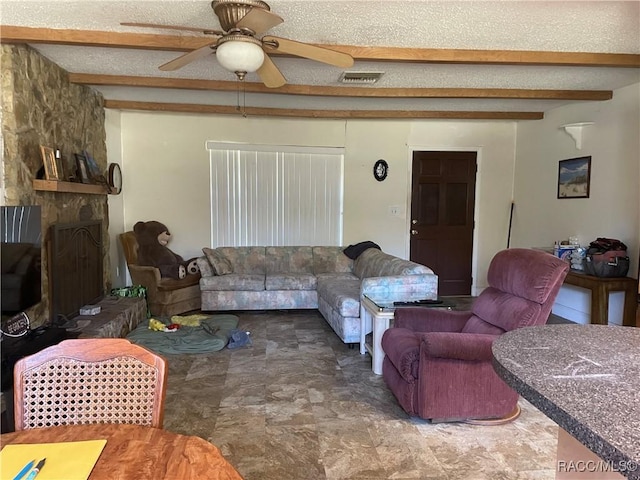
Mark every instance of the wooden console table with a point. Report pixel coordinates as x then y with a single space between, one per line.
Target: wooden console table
600 288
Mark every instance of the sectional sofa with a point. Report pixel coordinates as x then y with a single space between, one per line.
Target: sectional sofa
322 277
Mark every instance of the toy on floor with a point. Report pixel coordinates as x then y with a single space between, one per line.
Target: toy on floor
158 326
153 238
189 320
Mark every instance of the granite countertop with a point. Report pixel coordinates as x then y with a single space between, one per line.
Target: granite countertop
586 378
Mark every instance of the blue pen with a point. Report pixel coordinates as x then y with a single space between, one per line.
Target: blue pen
37 468
24 470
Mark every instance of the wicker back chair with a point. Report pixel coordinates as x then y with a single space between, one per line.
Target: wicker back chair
82 381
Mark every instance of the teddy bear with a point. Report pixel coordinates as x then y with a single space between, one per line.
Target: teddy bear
153 238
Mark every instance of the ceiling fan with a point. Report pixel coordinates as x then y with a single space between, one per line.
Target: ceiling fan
238 47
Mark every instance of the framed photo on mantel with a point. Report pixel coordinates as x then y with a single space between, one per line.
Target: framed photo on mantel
574 177
52 167
82 171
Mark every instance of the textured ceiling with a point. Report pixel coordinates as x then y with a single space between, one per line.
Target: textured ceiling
556 26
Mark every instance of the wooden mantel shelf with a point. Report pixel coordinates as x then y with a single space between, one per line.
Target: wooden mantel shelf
69 187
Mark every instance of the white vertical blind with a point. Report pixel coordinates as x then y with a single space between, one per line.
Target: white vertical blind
275 195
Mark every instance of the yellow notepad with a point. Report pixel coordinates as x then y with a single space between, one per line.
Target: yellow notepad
65 460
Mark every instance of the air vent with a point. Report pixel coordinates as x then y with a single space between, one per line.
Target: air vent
360 77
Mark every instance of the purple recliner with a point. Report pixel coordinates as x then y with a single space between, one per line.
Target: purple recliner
438 363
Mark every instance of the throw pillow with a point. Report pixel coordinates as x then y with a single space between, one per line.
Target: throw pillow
206 270
221 265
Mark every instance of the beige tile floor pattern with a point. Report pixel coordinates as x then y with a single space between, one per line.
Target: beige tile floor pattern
299 404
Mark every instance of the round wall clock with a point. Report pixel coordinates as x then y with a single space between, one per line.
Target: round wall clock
114 178
380 170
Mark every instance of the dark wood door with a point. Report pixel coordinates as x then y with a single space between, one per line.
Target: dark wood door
442 205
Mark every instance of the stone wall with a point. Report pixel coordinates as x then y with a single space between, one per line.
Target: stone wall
41 107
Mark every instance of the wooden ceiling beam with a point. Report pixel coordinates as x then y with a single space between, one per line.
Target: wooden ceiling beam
95 38
490 57
306 113
370 92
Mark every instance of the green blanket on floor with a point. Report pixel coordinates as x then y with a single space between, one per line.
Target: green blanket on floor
210 336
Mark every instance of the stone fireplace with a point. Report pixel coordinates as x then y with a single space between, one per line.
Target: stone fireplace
41 107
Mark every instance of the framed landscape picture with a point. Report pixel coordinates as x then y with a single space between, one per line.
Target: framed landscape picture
574 177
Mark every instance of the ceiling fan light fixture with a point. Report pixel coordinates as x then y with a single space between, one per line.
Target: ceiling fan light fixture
240 54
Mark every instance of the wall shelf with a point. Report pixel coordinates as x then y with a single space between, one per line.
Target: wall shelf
69 187
574 130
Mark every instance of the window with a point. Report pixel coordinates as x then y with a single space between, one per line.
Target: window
275 195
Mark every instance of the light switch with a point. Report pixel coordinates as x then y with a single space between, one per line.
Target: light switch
395 210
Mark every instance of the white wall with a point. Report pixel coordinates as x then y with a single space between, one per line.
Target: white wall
366 200
495 144
166 172
115 203
612 209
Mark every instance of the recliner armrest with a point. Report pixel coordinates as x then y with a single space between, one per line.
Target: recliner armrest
459 346
148 277
421 319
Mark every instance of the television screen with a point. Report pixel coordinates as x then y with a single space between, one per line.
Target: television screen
20 249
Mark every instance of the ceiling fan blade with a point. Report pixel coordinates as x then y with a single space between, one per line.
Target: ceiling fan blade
189 57
172 27
259 20
311 52
270 75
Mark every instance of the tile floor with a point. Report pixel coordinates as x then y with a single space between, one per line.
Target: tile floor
299 404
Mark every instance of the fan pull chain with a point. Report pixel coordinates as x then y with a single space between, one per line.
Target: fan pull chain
241 108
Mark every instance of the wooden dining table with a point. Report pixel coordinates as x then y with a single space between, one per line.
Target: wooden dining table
138 452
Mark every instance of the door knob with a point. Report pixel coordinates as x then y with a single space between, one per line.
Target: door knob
414 232
413 222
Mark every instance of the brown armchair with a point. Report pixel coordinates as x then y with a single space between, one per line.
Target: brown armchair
438 363
165 296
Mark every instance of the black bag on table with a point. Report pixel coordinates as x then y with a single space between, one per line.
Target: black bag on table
606 257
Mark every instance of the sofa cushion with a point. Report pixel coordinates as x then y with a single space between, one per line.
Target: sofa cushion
477 325
206 270
220 264
234 281
505 311
375 263
288 260
245 259
167 284
341 292
331 260
336 276
290 281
